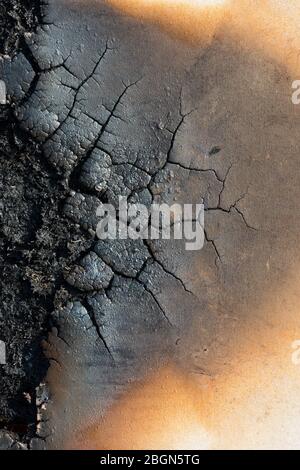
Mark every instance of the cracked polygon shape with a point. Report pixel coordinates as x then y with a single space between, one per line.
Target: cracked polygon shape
90 274
82 209
125 257
96 170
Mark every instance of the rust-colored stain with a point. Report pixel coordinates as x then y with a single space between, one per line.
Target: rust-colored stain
157 413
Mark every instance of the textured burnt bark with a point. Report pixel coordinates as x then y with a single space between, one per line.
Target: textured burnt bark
34 242
26 365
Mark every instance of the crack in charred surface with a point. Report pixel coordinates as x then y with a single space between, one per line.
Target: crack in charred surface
122 274
199 170
115 106
213 243
236 209
154 257
92 316
84 81
177 128
156 301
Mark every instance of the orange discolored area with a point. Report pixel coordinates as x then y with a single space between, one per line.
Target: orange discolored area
254 404
161 412
271 26
191 20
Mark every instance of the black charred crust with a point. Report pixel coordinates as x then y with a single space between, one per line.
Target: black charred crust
17 17
33 245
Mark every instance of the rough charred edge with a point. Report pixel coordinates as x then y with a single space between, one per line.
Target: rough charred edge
36 244
17 17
